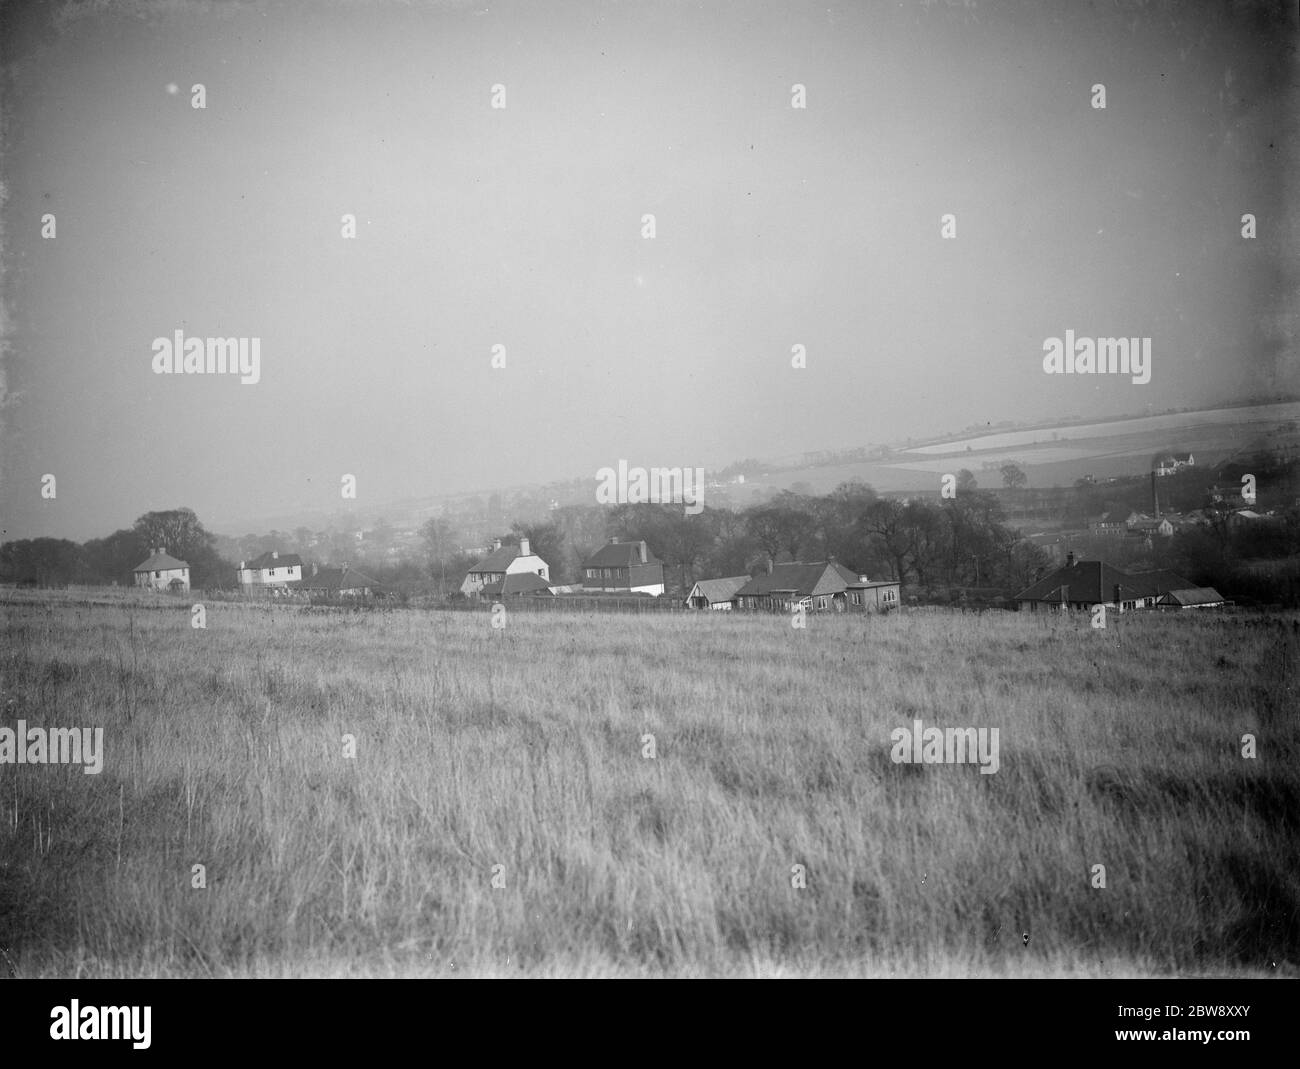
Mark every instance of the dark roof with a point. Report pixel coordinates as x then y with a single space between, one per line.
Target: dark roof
620 555
821 577
160 562
1199 595
333 580
1090 581
517 583
285 560
496 561
717 590
1160 580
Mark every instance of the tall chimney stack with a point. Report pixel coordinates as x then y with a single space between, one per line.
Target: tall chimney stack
1155 497
644 555
524 551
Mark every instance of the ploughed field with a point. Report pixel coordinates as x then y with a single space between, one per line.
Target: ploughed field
502 813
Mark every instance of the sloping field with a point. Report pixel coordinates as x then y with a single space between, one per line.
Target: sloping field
502 814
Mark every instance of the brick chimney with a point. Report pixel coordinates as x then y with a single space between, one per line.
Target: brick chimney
275 554
1119 602
614 541
644 555
1069 559
313 568
496 543
524 551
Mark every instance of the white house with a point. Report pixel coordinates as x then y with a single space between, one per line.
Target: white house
161 572
503 561
270 569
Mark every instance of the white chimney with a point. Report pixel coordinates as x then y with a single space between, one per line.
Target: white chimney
275 554
523 547
614 541
496 543
644 556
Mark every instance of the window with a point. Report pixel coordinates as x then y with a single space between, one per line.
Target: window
157 575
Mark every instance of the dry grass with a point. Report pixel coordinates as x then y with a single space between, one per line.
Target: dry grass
522 748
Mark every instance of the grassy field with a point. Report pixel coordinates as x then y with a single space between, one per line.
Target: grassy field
523 748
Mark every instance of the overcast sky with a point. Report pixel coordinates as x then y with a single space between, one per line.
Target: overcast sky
522 226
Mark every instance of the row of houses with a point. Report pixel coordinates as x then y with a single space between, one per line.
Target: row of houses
1083 584
629 567
273 573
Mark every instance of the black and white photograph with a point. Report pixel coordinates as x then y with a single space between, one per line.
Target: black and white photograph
678 489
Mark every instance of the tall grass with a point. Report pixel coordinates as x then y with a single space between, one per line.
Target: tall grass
523 748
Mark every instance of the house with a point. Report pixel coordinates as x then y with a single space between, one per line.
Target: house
514 584
501 562
1197 597
1109 523
815 586
344 582
716 594
270 570
1141 526
1081 584
625 567
161 572
1172 462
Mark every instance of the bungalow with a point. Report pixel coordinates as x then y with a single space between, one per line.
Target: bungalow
1081 584
1197 597
344 582
515 584
716 594
161 572
815 586
501 562
270 570
623 566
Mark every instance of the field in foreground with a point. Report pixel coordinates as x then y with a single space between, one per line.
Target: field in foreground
517 757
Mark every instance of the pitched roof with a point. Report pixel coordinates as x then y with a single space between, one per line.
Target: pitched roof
266 560
160 562
1160 580
517 583
807 580
1088 580
496 561
337 579
620 555
1197 595
717 590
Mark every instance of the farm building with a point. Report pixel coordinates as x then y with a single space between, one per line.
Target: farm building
161 572
820 585
1081 584
501 562
342 582
270 570
623 566
715 594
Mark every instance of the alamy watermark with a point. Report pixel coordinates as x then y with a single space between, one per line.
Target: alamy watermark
1098 356
637 486
53 746
945 746
179 355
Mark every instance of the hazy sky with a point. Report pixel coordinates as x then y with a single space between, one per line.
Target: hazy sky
522 226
